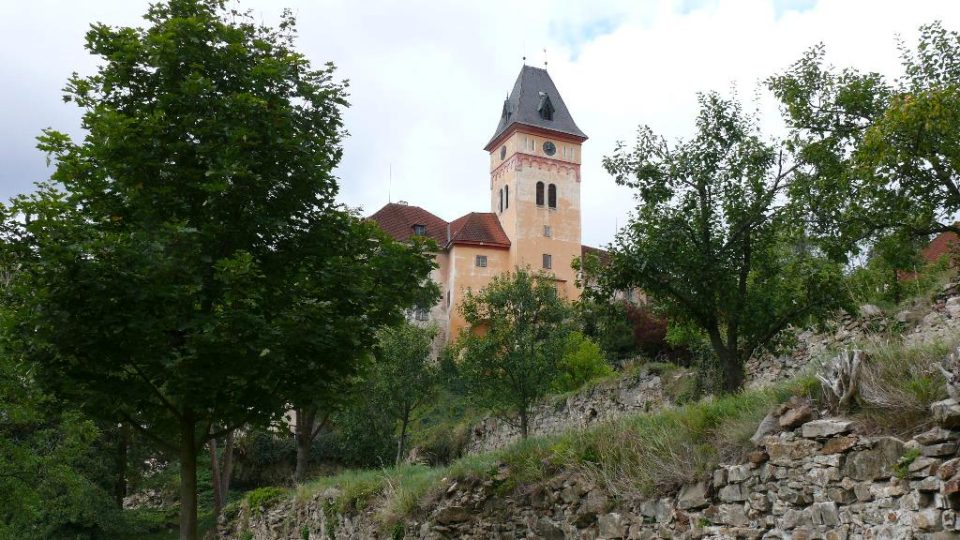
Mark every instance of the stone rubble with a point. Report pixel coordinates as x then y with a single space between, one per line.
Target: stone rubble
820 480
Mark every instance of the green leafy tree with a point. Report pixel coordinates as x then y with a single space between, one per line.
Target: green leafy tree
581 363
174 274
405 376
510 356
714 240
54 480
877 156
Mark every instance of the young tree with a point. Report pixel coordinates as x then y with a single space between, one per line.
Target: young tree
878 156
508 359
168 275
404 375
714 240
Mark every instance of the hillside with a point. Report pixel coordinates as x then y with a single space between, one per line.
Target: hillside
883 471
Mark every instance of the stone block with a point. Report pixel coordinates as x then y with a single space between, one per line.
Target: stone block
935 435
826 427
694 496
946 413
874 463
940 449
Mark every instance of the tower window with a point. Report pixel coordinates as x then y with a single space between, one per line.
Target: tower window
539 193
501 201
419 230
546 107
547 261
547 231
552 196
506 196
481 261
503 152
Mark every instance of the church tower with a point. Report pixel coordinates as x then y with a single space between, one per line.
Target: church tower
535 178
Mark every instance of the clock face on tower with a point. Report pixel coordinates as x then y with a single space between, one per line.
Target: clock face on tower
549 148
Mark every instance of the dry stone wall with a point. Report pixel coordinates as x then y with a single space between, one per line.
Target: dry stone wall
642 392
816 479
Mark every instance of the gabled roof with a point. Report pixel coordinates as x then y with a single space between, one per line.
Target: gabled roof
398 220
533 93
478 228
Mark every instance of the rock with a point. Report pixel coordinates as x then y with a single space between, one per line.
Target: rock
797 415
452 514
935 435
732 493
948 469
827 427
693 496
757 457
548 529
869 311
610 526
940 449
875 463
928 519
923 466
768 426
838 445
953 307
596 502
946 413
825 513
784 451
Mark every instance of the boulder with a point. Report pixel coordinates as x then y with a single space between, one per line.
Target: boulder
693 496
827 427
935 435
768 426
946 413
875 463
796 415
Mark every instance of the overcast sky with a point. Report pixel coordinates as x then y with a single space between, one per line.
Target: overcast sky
427 79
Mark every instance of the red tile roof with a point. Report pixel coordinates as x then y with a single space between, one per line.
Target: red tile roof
478 228
945 243
398 220
601 254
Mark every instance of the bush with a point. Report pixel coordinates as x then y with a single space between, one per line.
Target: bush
265 497
582 362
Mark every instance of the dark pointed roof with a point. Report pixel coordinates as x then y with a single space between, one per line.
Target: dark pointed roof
534 92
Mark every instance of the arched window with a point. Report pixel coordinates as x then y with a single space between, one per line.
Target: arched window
539 193
552 196
501 200
506 196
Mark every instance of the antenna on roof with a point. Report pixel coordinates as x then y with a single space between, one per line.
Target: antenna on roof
524 52
544 58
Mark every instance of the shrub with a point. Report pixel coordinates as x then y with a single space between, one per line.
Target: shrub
582 362
265 497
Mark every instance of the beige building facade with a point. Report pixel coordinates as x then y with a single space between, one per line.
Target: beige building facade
534 220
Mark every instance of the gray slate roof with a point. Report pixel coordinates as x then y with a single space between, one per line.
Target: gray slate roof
530 94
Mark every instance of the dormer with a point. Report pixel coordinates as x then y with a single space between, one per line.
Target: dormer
545 107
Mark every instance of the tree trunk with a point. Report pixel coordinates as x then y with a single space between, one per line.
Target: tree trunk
120 483
306 416
403 435
227 470
215 478
523 423
188 477
733 374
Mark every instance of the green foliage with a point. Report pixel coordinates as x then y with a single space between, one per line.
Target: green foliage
52 473
404 376
519 330
265 497
715 240
188 264
878 157
607 324
902 468
582 362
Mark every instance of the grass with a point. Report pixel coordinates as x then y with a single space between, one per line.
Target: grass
633 456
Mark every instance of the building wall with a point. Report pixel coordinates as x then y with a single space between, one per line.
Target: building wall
466 275
523 165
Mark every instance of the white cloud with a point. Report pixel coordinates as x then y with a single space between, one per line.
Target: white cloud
428 78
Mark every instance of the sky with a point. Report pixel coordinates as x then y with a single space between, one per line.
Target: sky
427 79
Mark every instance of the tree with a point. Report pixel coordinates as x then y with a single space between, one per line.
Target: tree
519 332
714 239
878 156
404 375
167 276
